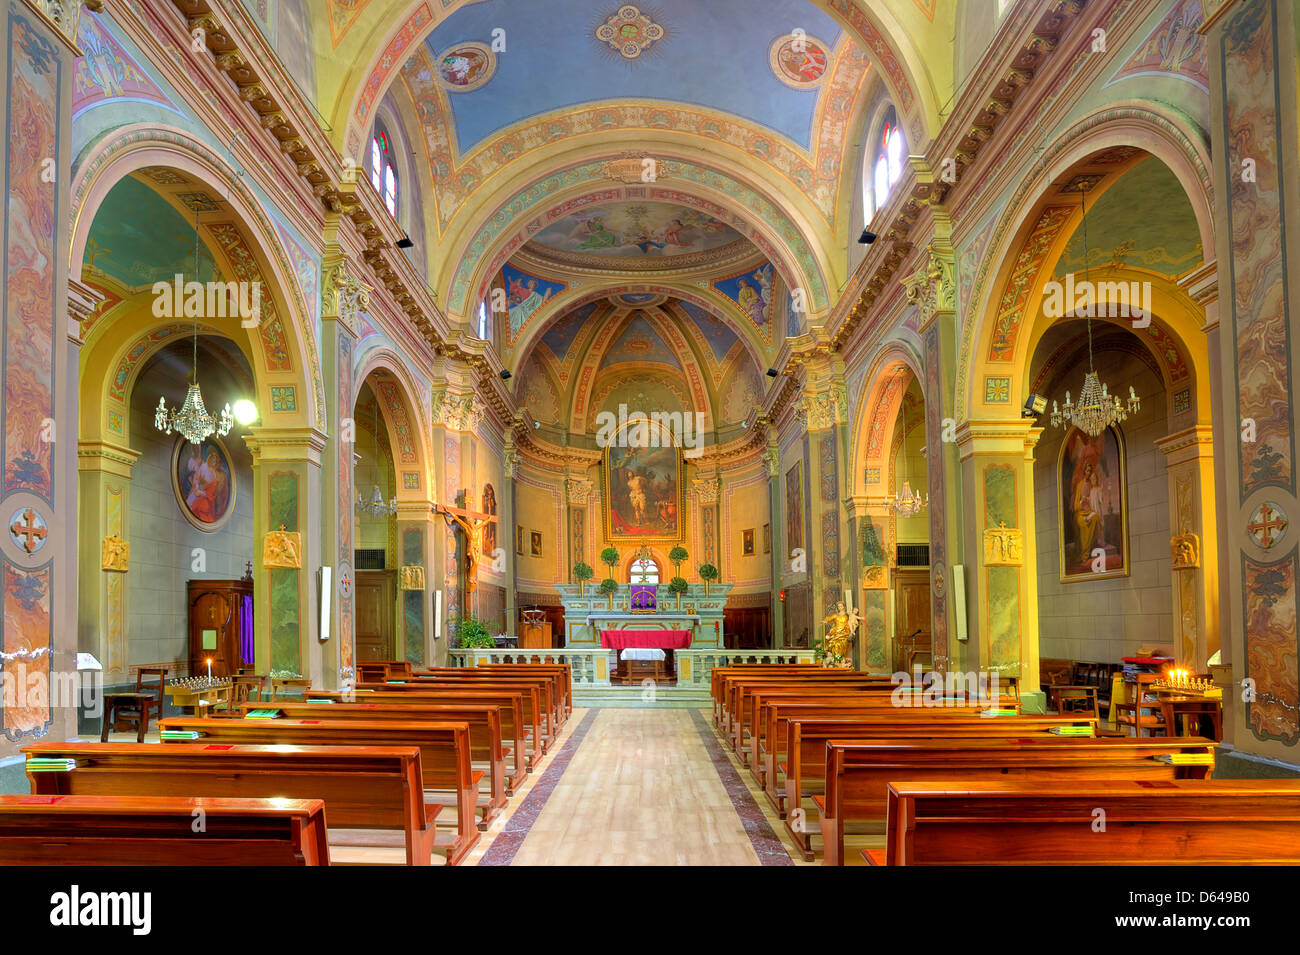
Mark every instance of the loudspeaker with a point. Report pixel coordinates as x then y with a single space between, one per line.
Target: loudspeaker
324 577
867 237
505 374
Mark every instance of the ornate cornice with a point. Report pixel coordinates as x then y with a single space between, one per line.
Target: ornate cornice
932 288
344 295
578 491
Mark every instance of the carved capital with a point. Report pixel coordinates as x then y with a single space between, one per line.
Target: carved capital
822 410
344 296
932 288
706 490
454 411
579 491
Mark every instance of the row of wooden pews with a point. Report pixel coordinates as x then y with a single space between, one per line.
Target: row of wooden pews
424 761
952 781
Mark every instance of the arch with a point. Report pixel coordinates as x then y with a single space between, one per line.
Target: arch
880 403
396 394
794 245
1128 125
254 242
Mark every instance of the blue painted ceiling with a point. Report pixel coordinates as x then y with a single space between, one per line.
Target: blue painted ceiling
715 54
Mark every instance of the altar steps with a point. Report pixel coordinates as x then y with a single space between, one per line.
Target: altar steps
661 697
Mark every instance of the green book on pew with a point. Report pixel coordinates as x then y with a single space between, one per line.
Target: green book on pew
263 714
180 735
1071 730
46 764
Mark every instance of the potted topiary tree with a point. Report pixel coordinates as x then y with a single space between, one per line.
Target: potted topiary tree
678 556
708 573
678 586
609 557
582 573
609 587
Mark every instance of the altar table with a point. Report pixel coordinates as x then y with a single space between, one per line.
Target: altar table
634 653
645 639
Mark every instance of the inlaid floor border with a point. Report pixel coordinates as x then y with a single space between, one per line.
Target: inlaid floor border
507 842
767 845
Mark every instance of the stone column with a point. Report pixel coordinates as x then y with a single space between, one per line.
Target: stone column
104 505
343 298
776 518
455 413
933 290
287 479
869 573
416 530
506 532
1253 125
824 412
1189 462
1001 567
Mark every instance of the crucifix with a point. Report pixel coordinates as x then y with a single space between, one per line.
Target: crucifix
471 524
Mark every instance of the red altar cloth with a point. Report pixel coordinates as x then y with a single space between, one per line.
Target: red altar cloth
645 639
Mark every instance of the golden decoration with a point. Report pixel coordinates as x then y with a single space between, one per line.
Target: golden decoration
115 554
282 549
412 577
1185 551
1003 546
873 578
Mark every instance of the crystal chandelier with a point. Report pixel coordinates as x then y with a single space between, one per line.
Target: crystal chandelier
375 506
908 503
1096 408
192 420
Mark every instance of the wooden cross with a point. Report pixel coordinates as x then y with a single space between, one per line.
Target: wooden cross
29 530
471 522
462 512
1270 521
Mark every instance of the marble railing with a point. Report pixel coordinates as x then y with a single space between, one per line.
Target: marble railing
592 666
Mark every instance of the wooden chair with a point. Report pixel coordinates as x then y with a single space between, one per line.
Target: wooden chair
1074 699
1199 711
131 708
152 689
1141 712
281 684
244 688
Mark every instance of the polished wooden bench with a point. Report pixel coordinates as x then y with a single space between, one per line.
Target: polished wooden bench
718 674
858 772
487 748
562 673
734 689
1035 822
764 725
448 777
516 707
536 717
740 709
363 787
549 685
161 830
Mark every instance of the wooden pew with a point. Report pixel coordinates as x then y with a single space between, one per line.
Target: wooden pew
466 676
515 705
562 672
802 772
487 748
159 830
717 674
737 691
761 720
536 717
444 748
858 772
742 714
1031 822
363 787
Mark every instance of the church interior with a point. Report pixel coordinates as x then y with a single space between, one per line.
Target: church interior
876 449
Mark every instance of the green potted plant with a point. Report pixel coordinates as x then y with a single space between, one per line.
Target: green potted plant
708 573
609 557
678 586
582 573
609 587
678 557
472 633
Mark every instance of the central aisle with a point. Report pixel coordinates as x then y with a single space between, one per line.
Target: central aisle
638 787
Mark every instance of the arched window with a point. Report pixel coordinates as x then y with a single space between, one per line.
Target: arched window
382 174
886 166
644 571
482 319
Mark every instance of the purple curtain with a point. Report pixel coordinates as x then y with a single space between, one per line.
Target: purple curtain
246 630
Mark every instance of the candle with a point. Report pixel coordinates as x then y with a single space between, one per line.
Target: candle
209 671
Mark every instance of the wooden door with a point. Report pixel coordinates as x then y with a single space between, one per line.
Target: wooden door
911 613
374 610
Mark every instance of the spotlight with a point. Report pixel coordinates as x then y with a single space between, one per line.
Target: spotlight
505 374
405 242
867 237
1034 406
771 373
245 411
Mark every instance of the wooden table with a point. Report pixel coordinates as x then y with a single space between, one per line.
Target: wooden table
199 698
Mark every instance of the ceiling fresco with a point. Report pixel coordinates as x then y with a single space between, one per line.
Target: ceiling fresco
666 232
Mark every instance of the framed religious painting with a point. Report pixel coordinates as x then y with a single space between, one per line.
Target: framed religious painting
1092 506
644 483
535 543
747 542
767 538
519 540
203 480
794 507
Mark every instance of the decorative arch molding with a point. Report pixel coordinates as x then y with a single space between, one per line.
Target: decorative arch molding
1141 126
712 301
761 219
132 148
396 392
887 373
609 379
